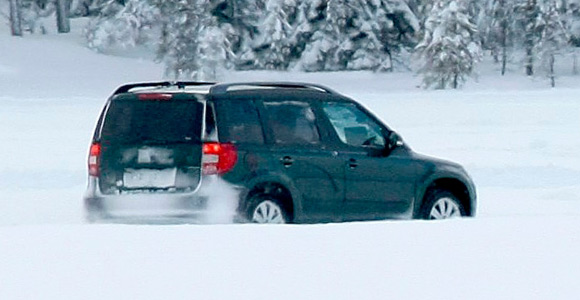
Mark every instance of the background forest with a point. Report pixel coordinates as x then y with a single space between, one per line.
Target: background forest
442 40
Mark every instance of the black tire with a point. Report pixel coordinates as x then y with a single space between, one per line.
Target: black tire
266 209
441 204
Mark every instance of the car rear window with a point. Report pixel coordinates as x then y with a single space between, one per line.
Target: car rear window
132 121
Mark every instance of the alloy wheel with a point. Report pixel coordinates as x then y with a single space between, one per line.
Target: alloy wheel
268 212
445 208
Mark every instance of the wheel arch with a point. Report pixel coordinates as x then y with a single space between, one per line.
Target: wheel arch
277 187
453 185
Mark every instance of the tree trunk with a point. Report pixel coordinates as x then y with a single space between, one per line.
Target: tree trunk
575 63
504 33
552 75
503 60
62 20
15 18
529 42
529 61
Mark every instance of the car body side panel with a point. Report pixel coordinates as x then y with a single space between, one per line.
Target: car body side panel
378 187
313 169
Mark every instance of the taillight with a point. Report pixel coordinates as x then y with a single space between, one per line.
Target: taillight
94 158
218 158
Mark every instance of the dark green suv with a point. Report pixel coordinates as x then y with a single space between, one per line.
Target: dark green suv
295 152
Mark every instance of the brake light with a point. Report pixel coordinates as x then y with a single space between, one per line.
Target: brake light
155 96
218 158
94 158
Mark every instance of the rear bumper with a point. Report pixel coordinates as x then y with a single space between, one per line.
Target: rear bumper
213 202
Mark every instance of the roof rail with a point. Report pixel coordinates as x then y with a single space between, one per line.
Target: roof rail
179 84
226 87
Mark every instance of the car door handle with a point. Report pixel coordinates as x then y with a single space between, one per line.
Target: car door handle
352 163
287 161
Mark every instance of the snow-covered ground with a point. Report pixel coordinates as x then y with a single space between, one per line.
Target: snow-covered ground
518 138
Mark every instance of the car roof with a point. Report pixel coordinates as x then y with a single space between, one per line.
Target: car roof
223 89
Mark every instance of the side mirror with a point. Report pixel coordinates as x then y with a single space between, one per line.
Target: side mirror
394 140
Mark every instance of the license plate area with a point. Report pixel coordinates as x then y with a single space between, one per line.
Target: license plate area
149 178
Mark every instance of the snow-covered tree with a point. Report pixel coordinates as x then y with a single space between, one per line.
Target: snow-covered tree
85 8
421 8
135 23
573 22
573 28
449 50
36 15
15 18
303 28
360 35
62 14
553 39
245 23
380 30
369 37
496 30
178 48
400 31
528 20
214 53
193 45
330 48
272 45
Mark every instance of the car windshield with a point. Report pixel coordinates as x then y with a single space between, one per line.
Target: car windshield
134 121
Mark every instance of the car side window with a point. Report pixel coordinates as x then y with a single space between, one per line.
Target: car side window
353 126
239 121
292 122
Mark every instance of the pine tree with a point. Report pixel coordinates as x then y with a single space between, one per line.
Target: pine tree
573 28
554 37
15 18
528 20
449 49
272 45
35 15
497 30
330 49
178 48
62 20
214 53
303 28
370 22
245 24
398 34
573 23
193 45
135 23
360 35
421 8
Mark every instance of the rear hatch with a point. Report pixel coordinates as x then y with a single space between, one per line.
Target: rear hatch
151 143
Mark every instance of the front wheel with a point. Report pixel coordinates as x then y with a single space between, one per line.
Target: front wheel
265 209
442 204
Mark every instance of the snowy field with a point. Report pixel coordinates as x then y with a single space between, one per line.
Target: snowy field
519 140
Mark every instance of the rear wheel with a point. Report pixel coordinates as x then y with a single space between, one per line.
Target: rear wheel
441 204
266 209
